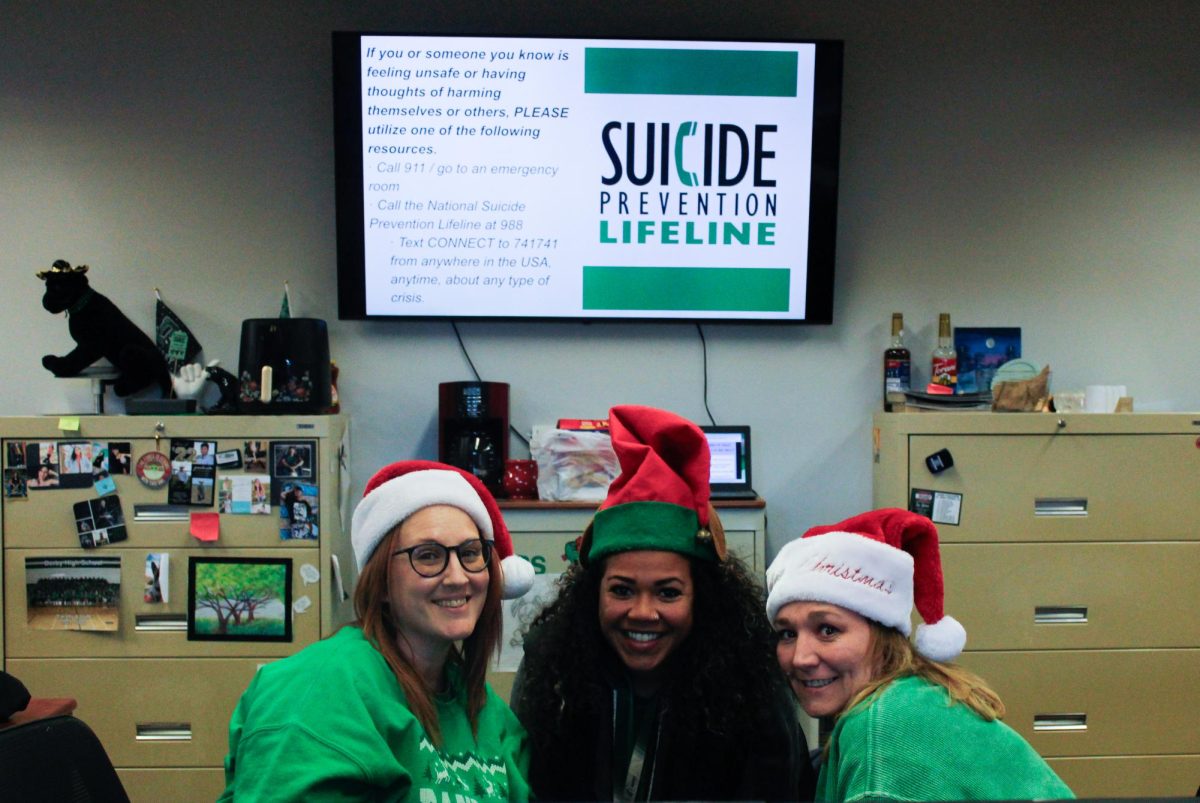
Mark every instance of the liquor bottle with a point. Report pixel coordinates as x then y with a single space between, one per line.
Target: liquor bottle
944 367
897 366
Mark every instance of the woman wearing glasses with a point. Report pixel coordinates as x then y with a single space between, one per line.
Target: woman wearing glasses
390 707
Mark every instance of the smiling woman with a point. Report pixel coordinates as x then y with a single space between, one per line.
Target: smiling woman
395 706
910 724
651 677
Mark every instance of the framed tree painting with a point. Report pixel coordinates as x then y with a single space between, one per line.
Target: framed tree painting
239 599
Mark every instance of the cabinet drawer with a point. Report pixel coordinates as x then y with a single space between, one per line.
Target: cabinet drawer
1081 595
1100 702
133 638
1121 776
176 785
1065 487
148 712
45 518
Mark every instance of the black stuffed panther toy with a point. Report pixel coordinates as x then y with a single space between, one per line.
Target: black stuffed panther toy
100 330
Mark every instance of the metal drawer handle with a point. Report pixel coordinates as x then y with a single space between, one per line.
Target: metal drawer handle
1060 615
161 622
164 732
148 512
1060 507
1060 722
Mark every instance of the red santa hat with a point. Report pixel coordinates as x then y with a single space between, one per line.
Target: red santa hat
401 489
660 501
877 564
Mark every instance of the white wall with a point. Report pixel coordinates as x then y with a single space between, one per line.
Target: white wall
1022 163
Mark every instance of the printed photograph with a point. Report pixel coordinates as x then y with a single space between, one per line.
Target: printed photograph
14 454
239 599
73 593
203 485
179 486
255 456
120 457
245 494
182 451
298 511
294 459
205 453
41 465
100 521
157 574
14 483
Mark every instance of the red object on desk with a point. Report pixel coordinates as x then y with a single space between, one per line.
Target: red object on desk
584 424
939 390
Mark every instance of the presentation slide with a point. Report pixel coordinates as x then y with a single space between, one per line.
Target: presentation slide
565 178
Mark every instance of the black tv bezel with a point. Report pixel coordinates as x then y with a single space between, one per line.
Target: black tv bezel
348 189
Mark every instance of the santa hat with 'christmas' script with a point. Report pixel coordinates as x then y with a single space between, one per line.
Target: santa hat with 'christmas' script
877 564
401 489
660 500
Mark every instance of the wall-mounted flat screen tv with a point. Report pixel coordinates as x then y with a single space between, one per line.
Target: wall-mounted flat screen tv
588 179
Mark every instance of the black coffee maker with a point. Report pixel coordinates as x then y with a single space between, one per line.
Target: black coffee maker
473 429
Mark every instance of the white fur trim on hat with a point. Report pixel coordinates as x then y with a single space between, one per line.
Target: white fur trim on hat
855 572
942 640
398 498
518 576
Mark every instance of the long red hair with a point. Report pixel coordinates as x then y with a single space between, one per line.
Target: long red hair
374 617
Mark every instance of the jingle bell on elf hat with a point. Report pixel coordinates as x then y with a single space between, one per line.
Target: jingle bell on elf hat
660 500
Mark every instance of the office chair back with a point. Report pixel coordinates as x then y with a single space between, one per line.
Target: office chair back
56 760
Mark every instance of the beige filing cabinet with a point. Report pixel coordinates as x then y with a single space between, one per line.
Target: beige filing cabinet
159 702
1075 569
541 530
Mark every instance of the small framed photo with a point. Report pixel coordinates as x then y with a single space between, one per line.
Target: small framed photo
294 459
981 350
239 599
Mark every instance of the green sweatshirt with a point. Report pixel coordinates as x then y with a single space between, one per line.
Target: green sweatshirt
331 723
910 743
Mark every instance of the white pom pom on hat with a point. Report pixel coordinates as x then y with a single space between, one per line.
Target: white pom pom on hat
879 564
402 488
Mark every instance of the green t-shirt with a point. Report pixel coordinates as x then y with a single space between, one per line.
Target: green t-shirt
331 723
910 743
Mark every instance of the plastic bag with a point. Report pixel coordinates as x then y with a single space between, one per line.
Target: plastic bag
572 465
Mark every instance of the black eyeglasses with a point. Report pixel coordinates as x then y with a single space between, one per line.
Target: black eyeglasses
430 560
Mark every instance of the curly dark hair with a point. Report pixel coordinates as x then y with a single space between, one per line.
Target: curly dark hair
723 670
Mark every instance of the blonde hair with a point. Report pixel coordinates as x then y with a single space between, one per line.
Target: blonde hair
893 657
375 619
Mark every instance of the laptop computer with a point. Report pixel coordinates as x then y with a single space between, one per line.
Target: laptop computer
729 471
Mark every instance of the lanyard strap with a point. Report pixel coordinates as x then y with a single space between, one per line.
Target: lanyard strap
627 792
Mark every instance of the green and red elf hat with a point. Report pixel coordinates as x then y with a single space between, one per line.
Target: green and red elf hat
660 500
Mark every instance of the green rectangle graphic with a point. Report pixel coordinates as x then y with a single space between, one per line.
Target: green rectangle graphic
702 289
647 71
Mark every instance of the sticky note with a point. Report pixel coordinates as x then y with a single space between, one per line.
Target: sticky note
69 423
205 526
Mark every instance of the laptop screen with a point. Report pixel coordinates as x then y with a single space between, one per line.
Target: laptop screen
729 447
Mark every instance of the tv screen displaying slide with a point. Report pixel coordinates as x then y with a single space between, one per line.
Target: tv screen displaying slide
589 179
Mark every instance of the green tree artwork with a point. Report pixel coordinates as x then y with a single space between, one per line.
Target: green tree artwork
235 599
